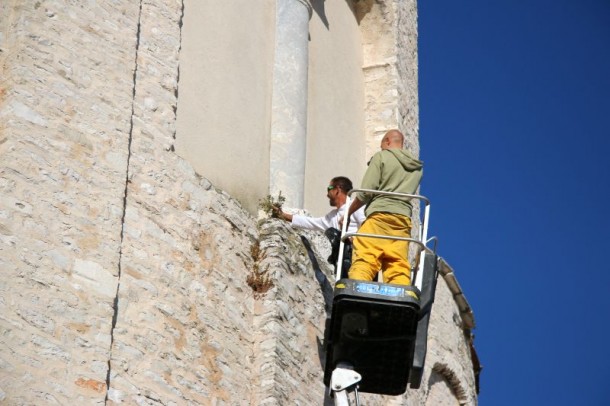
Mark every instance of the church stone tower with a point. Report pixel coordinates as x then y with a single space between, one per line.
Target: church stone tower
136 139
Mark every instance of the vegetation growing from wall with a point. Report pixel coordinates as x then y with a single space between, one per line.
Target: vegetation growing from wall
258 279
271 206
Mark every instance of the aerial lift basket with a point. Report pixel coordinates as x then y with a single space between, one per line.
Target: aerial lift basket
379 330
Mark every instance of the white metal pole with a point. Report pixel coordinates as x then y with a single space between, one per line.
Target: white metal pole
348 202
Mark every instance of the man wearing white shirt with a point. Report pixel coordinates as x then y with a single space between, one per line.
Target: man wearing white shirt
336 192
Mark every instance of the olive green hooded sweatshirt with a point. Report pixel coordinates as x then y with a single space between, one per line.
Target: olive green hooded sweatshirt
391 170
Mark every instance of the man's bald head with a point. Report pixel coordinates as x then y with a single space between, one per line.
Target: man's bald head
392 139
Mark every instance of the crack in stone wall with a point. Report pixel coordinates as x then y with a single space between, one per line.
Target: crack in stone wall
172 147
125 195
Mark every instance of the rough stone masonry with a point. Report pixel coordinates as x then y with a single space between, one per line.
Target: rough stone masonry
124 272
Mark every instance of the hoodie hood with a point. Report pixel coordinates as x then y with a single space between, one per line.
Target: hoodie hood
408 161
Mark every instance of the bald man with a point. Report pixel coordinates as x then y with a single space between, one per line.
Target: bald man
393 169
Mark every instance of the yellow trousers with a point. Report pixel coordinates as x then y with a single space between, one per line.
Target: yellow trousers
373 254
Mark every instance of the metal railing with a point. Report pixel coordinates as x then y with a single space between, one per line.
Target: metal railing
421 241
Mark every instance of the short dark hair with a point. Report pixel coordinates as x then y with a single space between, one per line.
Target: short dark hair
342 183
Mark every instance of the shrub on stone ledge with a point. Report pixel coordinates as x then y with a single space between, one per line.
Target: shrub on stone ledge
258 280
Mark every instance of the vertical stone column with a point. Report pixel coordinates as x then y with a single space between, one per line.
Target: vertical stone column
289 102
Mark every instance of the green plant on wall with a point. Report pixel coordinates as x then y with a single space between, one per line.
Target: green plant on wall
270 205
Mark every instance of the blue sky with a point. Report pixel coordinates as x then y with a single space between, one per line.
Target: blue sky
515 136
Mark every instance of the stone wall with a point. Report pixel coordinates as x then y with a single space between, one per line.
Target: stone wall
224 110
65 119
125 274
335 122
